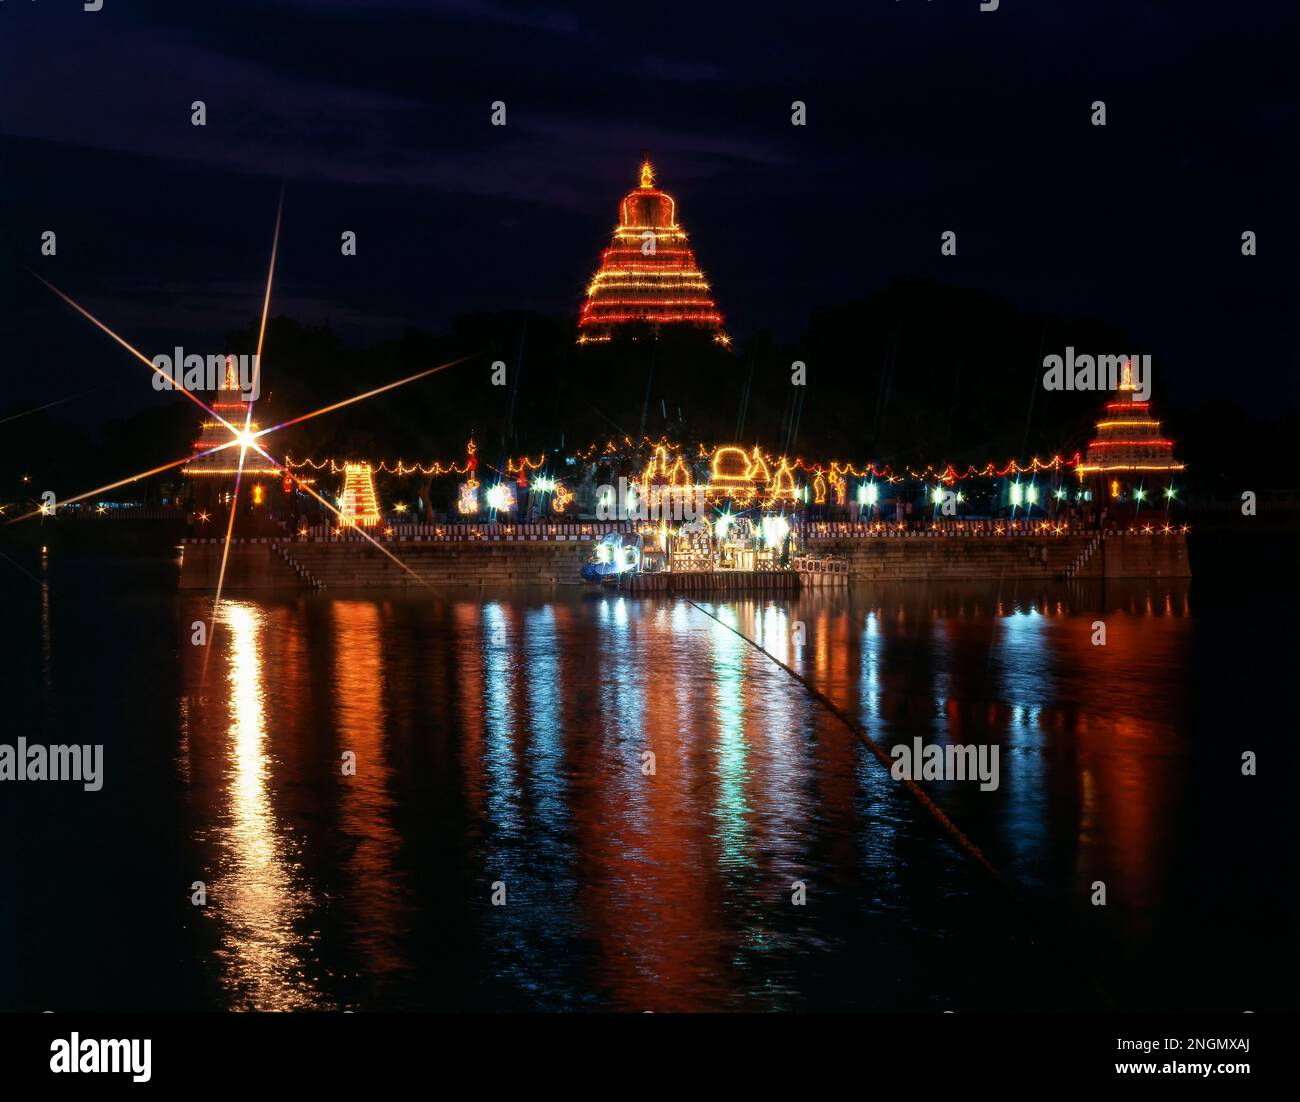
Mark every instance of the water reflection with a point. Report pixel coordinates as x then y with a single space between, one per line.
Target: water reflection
254 895
372 888
648 786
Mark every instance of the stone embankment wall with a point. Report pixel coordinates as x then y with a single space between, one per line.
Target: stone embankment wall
353 564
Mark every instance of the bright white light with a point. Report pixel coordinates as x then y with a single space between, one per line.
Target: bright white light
720 528
775 530
1033 493
500 497
872 493
1017 493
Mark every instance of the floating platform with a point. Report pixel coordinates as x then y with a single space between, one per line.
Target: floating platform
817 572
705 583
555 558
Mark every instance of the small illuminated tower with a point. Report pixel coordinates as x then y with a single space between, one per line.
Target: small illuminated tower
648 276
358 503
1129 460
213 472
467 495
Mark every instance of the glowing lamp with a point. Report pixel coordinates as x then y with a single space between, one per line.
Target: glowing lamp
775 529
500 497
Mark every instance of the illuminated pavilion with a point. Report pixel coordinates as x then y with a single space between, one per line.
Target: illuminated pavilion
1129 461
648 276
213 475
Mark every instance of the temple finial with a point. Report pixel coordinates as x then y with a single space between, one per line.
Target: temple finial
647 170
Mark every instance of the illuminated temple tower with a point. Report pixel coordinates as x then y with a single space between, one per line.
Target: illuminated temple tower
1129 461
648 276
357 502
213 475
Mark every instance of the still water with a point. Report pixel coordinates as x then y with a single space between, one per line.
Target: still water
500 743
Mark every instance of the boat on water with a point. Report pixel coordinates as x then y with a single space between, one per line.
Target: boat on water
615 553
722 547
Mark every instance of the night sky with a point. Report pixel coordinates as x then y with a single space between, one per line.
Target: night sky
922 117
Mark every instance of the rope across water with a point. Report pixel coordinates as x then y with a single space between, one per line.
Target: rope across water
930 807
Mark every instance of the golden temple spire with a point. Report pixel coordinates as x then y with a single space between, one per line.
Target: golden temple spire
1126 380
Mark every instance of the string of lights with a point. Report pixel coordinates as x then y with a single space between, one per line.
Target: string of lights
729 464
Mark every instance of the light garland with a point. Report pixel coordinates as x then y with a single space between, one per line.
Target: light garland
743 477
